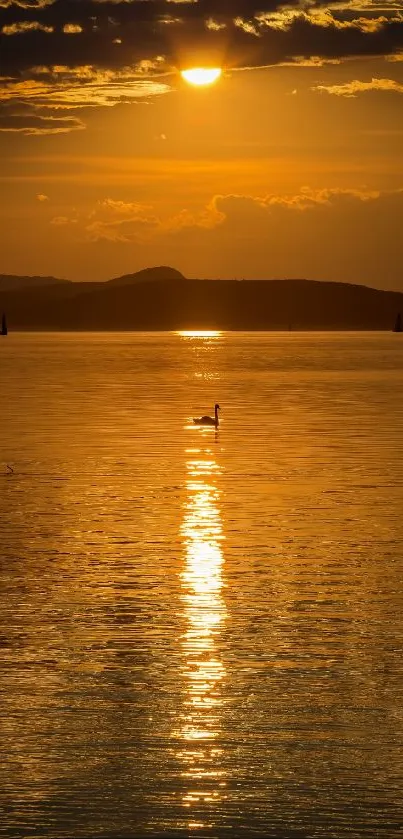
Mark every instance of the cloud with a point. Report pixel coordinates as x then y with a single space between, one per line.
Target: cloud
80 87
24 26
41 197
351 89
112 35
128 230
34 124
68 54
111 220
26 4
121 221
208 218
32 105
72 29
307 199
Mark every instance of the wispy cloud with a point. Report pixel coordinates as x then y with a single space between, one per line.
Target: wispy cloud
123 222
111 220
59 88
35 124
353 88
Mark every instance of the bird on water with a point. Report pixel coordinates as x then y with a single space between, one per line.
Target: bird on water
209 420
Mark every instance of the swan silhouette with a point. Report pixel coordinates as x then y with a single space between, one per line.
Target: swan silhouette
208 420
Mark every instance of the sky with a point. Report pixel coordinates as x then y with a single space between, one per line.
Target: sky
289 166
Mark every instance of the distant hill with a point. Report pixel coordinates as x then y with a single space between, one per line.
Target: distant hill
161 273
162 299
13 282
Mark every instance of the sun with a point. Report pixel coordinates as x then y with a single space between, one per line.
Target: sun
201 76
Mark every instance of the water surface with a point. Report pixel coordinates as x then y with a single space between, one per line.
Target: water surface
201 631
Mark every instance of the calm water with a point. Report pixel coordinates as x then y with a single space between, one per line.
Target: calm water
201 631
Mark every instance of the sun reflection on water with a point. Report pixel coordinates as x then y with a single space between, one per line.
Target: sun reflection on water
199 333
204 612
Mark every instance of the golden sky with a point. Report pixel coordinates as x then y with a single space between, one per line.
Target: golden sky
290 165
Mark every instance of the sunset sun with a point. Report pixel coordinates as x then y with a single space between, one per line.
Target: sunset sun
201 76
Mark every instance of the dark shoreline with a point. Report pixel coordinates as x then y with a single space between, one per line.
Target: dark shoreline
228 305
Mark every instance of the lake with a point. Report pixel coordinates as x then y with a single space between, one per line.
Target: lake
201 630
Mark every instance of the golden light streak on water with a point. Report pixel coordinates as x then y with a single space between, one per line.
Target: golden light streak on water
204 612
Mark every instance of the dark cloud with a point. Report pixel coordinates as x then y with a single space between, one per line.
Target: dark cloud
117 34
48 42
34 124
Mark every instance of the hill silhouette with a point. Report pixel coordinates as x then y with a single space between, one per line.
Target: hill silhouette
161 273
13 282
162 299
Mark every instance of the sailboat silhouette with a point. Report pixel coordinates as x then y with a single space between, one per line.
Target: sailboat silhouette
4 330
398 323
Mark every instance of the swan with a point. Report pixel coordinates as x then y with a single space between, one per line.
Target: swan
209 420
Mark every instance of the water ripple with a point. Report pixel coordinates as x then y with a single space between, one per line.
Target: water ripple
200 630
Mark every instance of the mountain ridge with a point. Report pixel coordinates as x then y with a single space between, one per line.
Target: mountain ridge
13 282
161 272
10 282
153 300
